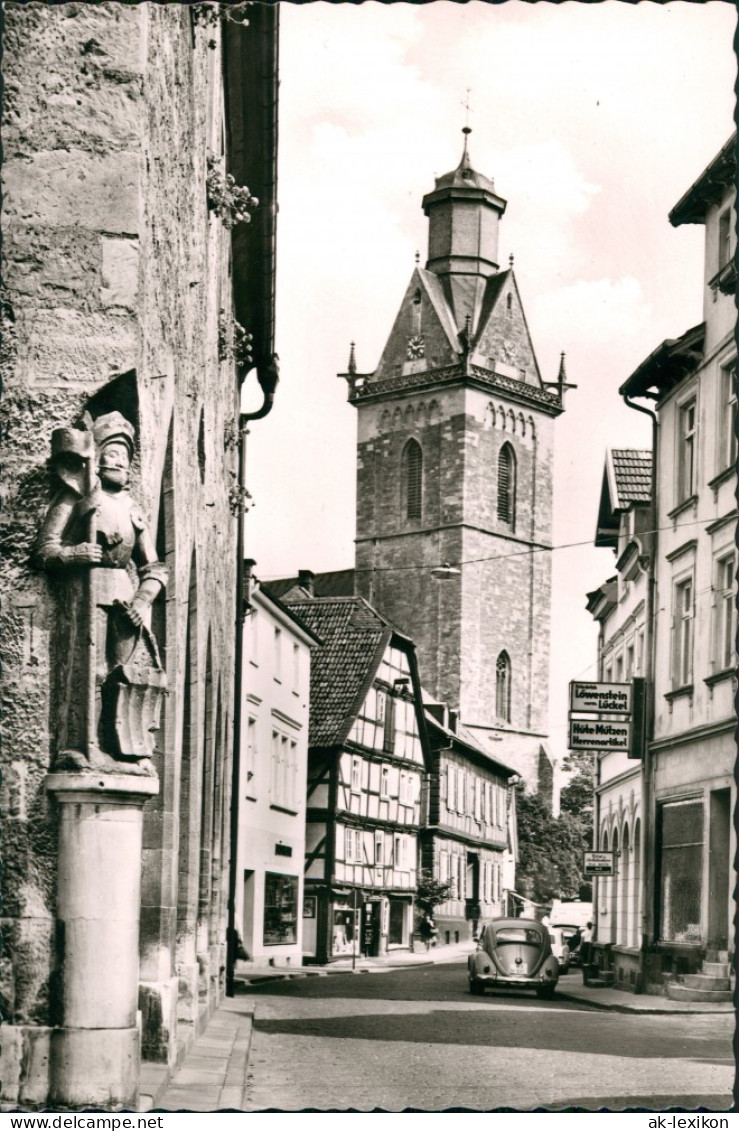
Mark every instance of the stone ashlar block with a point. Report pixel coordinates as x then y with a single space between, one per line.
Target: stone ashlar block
74 189
120 277
95 1068
70 348
24 1064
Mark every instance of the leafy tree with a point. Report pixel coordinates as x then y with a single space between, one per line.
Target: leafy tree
430 892
550 851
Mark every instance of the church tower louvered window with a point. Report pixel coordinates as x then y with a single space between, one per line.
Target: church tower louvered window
413 479
503 687
507 485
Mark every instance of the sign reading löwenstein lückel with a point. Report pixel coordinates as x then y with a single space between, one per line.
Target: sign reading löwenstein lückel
608 698
597 864
595 734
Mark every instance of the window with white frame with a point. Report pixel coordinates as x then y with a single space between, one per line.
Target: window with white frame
284 771
478 799
444 867
349 846
453 879
407 789
296 667
639 670
686 450
629 662
725 612
728 418
683 611
619 669
451 793
461 788
356 779
251 757
385 781
379 848
724 238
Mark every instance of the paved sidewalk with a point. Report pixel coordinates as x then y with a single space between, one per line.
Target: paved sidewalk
253 973
212 1076
618 1001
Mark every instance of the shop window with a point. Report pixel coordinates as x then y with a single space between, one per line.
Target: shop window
680 831
396 923
280 909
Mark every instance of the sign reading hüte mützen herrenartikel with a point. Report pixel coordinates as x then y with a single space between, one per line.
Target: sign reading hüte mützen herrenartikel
607 698
600 734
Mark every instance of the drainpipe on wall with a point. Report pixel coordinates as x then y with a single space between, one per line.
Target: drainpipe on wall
648 848
268 378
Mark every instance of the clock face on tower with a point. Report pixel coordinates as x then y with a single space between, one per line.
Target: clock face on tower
416 347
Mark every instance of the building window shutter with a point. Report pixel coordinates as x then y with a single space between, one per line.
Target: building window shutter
413 479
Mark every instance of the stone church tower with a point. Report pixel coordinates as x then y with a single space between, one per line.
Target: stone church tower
454 466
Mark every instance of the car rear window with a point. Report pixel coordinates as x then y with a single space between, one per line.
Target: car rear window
517 935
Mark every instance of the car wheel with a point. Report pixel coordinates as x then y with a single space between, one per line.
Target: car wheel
476 986
545 991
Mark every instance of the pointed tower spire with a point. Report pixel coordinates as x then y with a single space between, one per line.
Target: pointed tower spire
352 367
562 375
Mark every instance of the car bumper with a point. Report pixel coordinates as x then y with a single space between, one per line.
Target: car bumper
512 982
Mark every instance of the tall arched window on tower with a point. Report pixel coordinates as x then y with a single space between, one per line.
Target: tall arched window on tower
412 479
503 687
507 485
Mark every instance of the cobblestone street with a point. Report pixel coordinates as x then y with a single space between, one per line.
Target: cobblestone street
415 1039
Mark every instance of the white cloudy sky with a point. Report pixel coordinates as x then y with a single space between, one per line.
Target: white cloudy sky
593 120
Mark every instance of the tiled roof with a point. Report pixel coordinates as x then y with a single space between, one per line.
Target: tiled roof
354 639
632 471
336 583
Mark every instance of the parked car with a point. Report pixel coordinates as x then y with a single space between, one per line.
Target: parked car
513 953
559 938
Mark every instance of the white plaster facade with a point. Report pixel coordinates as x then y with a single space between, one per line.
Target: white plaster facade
688 895
273 774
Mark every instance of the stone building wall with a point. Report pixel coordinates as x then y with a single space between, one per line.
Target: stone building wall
113 264
502 598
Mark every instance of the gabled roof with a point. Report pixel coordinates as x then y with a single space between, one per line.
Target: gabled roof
713 182
465 743
627 482
335 583
630 471
354 639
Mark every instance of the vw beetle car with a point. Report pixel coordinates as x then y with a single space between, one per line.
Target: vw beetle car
514 953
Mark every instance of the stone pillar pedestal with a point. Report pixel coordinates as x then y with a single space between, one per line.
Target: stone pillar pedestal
95 1053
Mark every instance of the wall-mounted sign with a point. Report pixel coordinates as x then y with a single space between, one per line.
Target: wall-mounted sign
606 698
599 734
597 864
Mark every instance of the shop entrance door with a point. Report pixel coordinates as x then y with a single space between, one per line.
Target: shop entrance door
719 866
371 928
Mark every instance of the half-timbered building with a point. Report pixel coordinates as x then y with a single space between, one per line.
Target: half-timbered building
468 837
368 755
